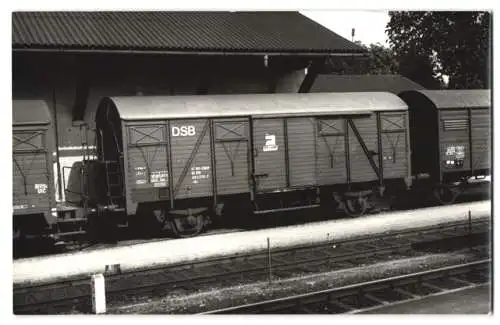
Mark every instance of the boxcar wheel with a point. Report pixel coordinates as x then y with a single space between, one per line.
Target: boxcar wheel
189 226
155 221
159 217
446 195
355 207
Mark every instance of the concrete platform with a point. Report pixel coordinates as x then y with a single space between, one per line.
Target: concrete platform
48 269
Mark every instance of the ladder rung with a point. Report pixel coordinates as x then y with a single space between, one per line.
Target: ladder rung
72 220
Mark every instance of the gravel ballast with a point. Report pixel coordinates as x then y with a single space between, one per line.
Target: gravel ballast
216 298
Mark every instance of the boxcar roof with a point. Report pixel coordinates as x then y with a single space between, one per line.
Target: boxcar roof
30 111
257 105
454 98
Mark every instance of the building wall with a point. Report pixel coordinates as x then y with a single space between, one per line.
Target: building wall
57 78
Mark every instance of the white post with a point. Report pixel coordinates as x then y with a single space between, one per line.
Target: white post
98 294
269 260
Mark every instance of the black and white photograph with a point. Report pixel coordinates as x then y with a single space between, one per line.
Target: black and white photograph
234 161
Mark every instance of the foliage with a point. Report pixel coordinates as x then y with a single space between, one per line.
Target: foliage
430 44
381 60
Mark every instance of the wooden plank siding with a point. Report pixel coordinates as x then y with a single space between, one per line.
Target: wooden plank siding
178 156
269 153
454 131
481 134
301 151
191 159
231 155
330 151
147 162
395 149
33 185
361 170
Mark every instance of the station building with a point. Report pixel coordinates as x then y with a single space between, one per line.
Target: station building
72 59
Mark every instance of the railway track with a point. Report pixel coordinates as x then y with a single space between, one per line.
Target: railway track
372 295
126 287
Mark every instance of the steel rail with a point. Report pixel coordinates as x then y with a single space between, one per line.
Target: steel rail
359 289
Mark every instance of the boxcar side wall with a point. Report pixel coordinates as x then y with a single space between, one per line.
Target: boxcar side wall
269 154
191 158
146 168
301 150
395 151
464 142
361 169
180 159
454 144
32 172
331 151
231 148
481 143
174 160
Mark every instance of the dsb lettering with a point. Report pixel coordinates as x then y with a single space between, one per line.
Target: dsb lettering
183 131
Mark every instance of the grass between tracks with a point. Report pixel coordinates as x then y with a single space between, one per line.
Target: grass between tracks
216 297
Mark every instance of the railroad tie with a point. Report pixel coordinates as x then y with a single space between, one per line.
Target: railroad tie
406 293
373 298
341 305
431 286
467 283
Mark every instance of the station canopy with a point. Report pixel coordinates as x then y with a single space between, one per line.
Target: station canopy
178 33
256 105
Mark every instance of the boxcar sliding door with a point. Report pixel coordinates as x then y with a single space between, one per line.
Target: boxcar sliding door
269 154
301 151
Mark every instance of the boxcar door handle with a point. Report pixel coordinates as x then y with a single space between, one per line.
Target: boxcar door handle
261 175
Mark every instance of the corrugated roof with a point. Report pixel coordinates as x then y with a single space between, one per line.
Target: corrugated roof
361 83
30 111
451 98
176 31
257 105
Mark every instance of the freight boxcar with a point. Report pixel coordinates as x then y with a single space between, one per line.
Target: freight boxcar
32 176
450 132
178 160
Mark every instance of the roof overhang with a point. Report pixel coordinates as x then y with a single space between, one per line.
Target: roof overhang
207 53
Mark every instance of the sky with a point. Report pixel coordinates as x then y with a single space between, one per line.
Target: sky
369 25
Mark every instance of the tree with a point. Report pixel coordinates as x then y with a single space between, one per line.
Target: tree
431 44
381 60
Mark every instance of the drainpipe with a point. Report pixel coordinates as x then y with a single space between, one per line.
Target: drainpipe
59 184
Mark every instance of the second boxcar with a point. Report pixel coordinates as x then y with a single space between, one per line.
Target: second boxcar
451 133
